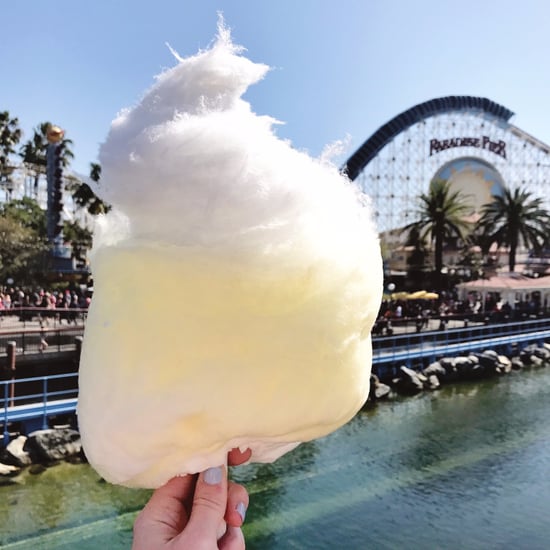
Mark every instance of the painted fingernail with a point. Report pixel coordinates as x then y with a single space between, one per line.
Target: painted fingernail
241 510
213 476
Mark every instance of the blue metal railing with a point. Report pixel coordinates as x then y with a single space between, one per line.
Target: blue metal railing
407 348
39 401
36 406
460 335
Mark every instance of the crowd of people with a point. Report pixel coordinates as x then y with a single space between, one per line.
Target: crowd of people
66 304
419 312
15 298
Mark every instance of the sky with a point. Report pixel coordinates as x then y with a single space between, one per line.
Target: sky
340 68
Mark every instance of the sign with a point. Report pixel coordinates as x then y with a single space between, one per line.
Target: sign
484 142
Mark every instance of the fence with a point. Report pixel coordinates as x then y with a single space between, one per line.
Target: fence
406 349
39 317
32 401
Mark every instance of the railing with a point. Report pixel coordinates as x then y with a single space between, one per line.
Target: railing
39 317
429 345
32 341
34 400
450 336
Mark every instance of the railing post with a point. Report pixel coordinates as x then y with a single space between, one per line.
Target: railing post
6 431
78 346
11 348
45 401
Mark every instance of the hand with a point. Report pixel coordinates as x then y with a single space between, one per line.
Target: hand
195 512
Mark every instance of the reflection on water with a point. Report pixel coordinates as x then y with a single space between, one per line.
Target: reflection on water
464 467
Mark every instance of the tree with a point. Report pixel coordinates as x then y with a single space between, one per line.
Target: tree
416 261
442 216
23 243
27 213
80 239
10 134
85 197
514 218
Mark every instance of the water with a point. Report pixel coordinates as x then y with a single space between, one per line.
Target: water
465 467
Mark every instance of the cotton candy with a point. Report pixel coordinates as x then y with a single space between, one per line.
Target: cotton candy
236 281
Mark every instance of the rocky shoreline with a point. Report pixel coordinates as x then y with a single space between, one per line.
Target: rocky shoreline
45 448
40 450
447 370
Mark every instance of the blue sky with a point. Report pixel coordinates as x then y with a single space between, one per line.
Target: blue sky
340 67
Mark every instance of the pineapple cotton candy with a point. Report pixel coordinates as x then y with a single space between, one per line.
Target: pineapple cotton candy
236 281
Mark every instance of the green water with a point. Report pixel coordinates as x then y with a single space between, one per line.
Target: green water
465 467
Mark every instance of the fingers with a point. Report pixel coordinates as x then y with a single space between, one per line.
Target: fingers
216 506
237 504
232 540
209 503
165 514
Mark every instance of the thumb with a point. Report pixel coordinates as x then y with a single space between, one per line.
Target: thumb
209 503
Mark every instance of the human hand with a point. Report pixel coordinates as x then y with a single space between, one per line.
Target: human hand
195 512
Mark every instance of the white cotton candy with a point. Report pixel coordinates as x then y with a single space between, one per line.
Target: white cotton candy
236 282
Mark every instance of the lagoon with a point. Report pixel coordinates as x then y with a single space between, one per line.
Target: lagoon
465 466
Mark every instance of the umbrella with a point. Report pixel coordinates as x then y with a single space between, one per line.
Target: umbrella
418 295
400 295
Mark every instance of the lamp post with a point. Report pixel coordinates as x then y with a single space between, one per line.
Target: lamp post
54 176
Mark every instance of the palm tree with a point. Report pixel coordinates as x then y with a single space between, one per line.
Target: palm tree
514 218
416 261
10 134
85 197
442 216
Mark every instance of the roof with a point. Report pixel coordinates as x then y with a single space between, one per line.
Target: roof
512 281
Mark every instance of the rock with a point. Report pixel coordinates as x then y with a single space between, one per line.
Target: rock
46 446
8 470
448 363
489 360
75 459
536 361
530 351
436 369
517 363
15 453
542 353
433 382
382 391
485 364
477 371
423 378
464 366
410 382
36 469
525 358
491 354
378 390
505 364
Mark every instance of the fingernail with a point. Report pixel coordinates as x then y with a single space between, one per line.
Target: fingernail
241 510
213 476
